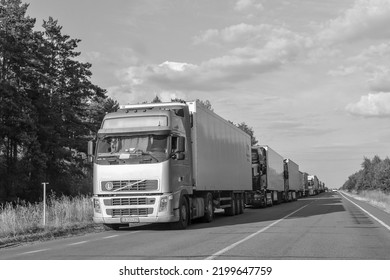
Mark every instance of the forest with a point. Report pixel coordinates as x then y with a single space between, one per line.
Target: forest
49 108
374 175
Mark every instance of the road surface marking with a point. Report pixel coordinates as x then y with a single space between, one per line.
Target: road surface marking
32 252
372 216
213 256
77 243
111 236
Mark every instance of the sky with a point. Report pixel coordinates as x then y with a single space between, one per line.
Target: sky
312 78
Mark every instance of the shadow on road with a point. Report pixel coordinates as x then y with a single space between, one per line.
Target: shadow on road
322 204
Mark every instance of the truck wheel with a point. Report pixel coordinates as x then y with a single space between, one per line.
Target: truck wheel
241 204
209 209
231 211
109 227
237 202
183 215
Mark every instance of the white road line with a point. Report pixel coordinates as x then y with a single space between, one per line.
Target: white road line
111 236
372 216
33 252
77 243
213 256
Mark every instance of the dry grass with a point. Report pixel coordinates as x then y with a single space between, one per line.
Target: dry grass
375 197
64 215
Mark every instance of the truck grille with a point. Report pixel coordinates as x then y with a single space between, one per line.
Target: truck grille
129 201
130 185
130 212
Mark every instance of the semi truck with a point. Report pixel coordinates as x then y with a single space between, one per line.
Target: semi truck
313 184
292 180
321 187
304 188
168 163
267 179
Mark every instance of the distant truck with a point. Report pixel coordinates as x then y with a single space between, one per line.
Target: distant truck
313 183
321 187
168 163
304 187
267 177
292 180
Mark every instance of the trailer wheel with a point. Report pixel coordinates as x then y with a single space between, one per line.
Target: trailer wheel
183 215
241 204
109 227
231 211
209 209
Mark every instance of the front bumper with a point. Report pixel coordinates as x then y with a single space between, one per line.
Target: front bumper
112 214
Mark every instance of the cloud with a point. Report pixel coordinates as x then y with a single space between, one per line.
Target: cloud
167 96
232 34
343 71
371 105
247 34
380 81
177 66
366 19
372 62
252 49
245 5
372 52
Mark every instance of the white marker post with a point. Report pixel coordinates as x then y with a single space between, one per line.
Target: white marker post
44 203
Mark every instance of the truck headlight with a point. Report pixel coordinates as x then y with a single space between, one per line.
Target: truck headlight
163 203
96 206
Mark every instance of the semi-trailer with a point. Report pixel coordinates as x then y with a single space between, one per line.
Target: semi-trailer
313 183
268 177
321 187
304 188
168 163
292 180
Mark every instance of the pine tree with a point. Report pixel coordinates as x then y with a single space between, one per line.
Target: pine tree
17 129
45 97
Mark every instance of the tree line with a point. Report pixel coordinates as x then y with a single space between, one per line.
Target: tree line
374 175
49 108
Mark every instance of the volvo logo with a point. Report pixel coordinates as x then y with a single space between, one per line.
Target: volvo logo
109 186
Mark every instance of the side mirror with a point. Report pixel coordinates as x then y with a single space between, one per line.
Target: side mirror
178 156
91 148
181 144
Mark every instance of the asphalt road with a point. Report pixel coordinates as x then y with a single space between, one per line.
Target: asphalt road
327 226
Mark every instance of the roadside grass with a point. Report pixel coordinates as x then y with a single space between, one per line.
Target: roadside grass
374 197
23 222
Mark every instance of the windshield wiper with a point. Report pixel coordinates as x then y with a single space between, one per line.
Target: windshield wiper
149 154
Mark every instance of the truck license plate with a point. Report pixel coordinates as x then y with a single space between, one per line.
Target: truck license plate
129 220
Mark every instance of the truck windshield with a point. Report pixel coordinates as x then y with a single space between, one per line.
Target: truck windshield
135 149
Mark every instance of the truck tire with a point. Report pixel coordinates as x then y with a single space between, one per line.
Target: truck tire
237 202
209 208
183 215
241 204
109 227
231 211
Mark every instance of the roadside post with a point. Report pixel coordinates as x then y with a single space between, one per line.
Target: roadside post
44 203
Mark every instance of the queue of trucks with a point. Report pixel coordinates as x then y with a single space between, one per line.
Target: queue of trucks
175 162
